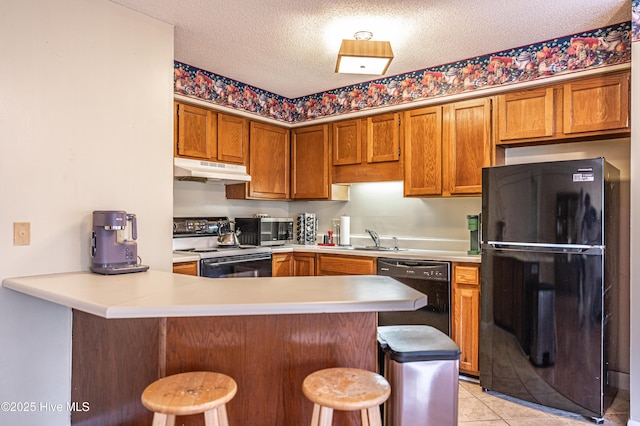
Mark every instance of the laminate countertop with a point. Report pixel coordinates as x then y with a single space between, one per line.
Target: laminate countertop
154 294
418 254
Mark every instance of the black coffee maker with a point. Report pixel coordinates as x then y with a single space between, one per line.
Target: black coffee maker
113 246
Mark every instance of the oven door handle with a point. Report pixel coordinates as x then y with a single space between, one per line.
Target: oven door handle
232 260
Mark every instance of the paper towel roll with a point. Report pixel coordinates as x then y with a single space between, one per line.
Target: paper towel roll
345 230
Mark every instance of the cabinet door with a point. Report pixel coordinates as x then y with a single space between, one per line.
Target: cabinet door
347 146
467 143
186 268
310 168
196 132
367 150
282 264
526 114
383 138
233 139
304 264
423 152
269 162
596 104
465 318
333 264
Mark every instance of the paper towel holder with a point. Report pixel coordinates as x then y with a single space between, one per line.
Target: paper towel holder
344 231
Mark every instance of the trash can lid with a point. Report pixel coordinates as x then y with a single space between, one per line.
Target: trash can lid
408 343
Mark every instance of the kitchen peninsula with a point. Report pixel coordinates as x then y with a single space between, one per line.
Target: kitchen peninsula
267 333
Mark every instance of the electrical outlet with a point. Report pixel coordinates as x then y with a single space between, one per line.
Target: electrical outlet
21 233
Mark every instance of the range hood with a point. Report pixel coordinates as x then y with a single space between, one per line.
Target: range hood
207 171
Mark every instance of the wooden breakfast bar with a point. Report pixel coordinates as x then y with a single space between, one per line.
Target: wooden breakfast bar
266 333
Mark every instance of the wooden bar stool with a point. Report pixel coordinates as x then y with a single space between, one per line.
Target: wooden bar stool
190 393
346 389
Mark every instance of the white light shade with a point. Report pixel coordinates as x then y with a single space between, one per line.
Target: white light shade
364 57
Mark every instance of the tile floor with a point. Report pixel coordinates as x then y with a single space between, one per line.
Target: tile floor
478 408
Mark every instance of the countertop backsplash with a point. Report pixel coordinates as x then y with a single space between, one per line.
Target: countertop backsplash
424 223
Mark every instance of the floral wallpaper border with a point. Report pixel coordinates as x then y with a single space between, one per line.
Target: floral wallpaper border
592 49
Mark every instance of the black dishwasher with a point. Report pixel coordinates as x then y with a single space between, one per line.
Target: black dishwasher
427 277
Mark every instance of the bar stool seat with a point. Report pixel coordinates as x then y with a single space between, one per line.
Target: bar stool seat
190 393
346 389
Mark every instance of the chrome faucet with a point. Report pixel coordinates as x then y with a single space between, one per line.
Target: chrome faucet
374 236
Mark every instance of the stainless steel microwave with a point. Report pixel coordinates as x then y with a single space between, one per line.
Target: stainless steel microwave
264 231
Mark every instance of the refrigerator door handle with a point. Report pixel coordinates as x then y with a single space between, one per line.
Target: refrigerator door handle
545 248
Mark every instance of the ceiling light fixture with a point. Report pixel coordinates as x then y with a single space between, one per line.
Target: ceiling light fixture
363 56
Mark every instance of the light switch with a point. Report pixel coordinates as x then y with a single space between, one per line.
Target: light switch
21 233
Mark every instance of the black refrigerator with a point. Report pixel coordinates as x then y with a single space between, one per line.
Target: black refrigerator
549 283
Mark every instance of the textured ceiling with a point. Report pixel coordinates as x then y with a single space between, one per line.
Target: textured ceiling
289 47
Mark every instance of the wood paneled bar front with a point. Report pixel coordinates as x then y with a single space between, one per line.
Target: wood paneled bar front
133 329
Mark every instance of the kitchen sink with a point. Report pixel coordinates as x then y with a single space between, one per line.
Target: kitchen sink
374 248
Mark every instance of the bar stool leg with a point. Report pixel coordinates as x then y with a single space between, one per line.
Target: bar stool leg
160 419
216 416
326 416
315 417
222 413
371 416
321 416
364 417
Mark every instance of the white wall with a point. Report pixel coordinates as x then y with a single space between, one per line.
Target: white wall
635 237
85 123
437 223
431 223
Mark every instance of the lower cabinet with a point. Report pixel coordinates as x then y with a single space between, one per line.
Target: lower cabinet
335 264
186 268
282 264
465 318
293 264
304 264
308 264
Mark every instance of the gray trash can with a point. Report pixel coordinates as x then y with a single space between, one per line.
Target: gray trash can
421 364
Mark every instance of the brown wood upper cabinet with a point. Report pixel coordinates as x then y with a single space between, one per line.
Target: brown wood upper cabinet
467 143
310 152
367 149
195 132
383 138
585 108
423 152
526 114
347 142
269 165
597 104
208 135
233 139
446 148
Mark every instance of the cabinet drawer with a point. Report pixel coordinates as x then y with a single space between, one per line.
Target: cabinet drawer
187 268
345 265
467 275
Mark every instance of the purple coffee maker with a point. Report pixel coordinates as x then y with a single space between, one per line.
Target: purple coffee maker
113 246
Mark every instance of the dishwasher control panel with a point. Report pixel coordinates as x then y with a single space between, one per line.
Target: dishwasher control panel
412 268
